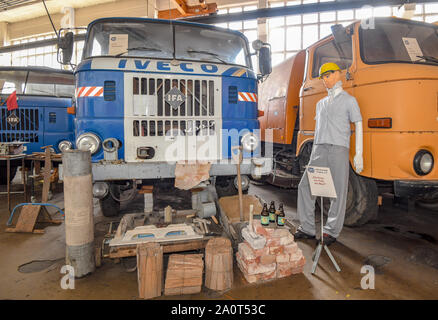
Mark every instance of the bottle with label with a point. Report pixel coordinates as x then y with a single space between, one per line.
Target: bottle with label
272 214
264 216
281 217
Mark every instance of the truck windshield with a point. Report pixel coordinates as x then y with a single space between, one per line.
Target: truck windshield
399 41
38 83
166 41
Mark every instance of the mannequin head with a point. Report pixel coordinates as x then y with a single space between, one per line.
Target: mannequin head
331 78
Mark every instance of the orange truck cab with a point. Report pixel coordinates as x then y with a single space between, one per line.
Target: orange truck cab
391 66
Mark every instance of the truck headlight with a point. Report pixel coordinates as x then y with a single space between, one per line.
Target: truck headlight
88 141
100 189
64 145
423 162
245 182
249 141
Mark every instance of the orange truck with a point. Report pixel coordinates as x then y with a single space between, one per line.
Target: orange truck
391 66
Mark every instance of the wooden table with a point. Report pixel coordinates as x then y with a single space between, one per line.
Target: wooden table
8 159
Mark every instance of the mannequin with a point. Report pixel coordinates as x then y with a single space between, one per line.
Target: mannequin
331 145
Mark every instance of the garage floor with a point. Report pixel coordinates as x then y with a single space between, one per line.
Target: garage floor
402 245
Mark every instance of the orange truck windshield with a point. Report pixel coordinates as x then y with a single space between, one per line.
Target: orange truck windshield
401 41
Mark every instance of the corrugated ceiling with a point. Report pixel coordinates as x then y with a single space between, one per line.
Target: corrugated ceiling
9 4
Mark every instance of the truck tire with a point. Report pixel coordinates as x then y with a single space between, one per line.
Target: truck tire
428 201
109 206
4 174
225 187
361 204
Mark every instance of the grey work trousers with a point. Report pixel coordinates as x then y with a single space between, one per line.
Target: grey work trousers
336 158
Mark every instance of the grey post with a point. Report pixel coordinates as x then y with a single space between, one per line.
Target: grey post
78 202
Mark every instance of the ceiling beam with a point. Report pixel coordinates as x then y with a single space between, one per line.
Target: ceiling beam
298 9
181 6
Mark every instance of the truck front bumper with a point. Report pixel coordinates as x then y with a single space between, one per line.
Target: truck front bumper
406 188
106 171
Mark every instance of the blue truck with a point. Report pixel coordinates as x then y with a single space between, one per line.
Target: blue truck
151 93
43 97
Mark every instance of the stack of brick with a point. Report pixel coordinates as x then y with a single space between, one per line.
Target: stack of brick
279 258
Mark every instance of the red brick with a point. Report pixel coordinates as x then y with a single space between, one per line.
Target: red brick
264 231
276 250
251 278
254 268
267 259
246 252
258 252
268 276
273 242
298 263
282 258
280 233
297 270
291 248
288 239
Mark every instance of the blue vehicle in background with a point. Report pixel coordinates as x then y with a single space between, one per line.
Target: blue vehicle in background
152 93
44 96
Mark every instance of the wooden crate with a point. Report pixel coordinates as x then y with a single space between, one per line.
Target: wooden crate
184 274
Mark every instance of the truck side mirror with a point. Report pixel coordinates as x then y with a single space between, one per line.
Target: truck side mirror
65 44
264 53
265 65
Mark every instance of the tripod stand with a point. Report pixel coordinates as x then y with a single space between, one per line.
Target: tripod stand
321 245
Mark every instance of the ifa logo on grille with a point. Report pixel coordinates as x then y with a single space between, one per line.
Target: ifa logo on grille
13 120
174 97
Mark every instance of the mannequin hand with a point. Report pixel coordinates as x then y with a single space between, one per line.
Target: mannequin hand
358 162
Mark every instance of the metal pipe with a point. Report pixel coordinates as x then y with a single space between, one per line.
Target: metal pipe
78 202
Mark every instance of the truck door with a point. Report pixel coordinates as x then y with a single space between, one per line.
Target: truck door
313 88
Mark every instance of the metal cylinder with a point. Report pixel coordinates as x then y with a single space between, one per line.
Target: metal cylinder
78 202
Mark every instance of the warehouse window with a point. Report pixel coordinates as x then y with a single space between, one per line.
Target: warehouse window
41 56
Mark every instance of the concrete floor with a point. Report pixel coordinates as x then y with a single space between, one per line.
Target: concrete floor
402 245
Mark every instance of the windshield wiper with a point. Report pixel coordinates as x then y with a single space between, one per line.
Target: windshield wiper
138 48
209 53
429 58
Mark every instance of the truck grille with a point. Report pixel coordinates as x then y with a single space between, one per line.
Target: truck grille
199 96
26 130
159 128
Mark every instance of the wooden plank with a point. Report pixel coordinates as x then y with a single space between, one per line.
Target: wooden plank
27 219
130 251
149 269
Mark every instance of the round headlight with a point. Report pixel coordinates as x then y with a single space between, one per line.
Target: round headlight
249 141
245 182
100 189
88 141
64 145
423 162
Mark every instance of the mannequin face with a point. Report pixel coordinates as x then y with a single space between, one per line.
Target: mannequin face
331 78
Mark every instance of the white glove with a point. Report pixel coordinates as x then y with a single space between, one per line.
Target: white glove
358 162
358 158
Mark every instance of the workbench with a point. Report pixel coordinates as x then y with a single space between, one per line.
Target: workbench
8 159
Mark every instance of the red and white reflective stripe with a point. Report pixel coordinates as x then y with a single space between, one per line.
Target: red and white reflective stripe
89 92
247 96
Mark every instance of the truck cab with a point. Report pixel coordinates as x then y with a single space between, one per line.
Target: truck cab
390 66
44 96
153 93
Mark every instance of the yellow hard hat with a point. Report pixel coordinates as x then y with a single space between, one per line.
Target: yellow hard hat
327 67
